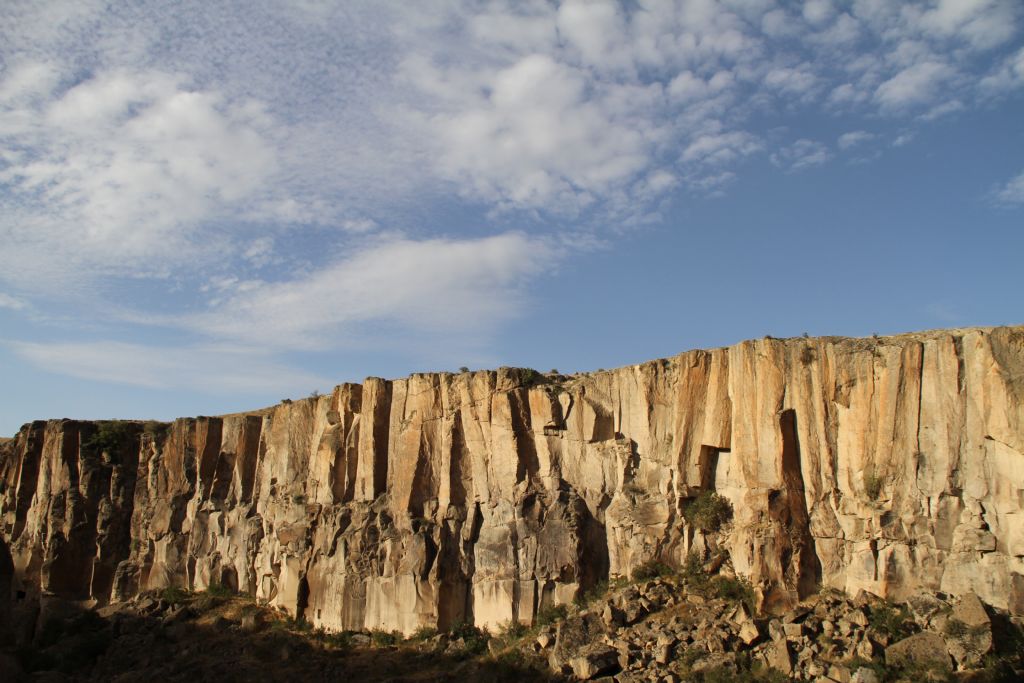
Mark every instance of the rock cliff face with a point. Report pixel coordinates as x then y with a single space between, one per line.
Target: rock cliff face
888 464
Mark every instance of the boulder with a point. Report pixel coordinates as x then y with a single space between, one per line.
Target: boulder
968 631
925 649
594 661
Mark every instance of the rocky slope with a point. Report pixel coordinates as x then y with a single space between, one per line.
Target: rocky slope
887 464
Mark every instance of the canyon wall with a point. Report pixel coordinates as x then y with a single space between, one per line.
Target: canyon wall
888 464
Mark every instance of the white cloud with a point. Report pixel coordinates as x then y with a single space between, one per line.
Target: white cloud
801 154
8 301
275 159
359 225
122 168
943 109
818 11
914 85
846 94
1013 191
795 81
593 28
1009 75
542 135
206 369
982 23
721 148
903 139
455 287
854 138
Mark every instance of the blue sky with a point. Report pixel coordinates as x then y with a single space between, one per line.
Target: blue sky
209 208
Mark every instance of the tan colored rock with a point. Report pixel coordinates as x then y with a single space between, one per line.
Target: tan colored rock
968 631
890 465
925 649
749 632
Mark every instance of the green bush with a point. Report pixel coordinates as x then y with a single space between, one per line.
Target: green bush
734 590
652 569
551 614
474 638
109 436
892 622
423 633
872 485
173 595
382 638
708 511
218 590
595 592
512 630
693 571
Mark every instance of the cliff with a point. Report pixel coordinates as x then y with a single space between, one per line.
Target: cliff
888 464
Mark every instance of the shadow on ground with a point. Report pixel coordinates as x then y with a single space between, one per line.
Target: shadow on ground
229 639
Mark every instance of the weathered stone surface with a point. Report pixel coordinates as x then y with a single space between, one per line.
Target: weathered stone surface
572 637
925 648
969 631
890 465
595 661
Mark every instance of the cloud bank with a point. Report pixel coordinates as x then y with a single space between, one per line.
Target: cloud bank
283 169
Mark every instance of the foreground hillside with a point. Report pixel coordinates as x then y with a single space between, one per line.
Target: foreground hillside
889 464
667 626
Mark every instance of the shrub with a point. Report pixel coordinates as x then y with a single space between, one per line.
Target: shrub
154 428
382 638
595 592
892 622
173 595
109 436
512 630
530 377
219 590
872 485
463 369
551 614
735 590
475 639
341 640
693 571
652 569
708 511
423 633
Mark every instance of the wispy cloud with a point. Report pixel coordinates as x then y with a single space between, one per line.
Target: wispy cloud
1013 191
854 138
207 369
8 301
801 154
458 286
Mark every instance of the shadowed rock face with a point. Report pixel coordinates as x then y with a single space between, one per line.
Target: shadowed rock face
886 464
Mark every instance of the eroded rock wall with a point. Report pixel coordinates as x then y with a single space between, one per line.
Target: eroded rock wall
888 464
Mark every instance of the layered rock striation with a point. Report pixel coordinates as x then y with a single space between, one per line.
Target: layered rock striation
888 464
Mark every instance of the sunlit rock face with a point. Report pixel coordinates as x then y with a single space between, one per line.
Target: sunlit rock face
888 464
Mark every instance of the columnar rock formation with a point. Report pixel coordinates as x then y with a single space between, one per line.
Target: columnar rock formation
888 464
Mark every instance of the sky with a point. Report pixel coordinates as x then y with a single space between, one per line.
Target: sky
209 207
